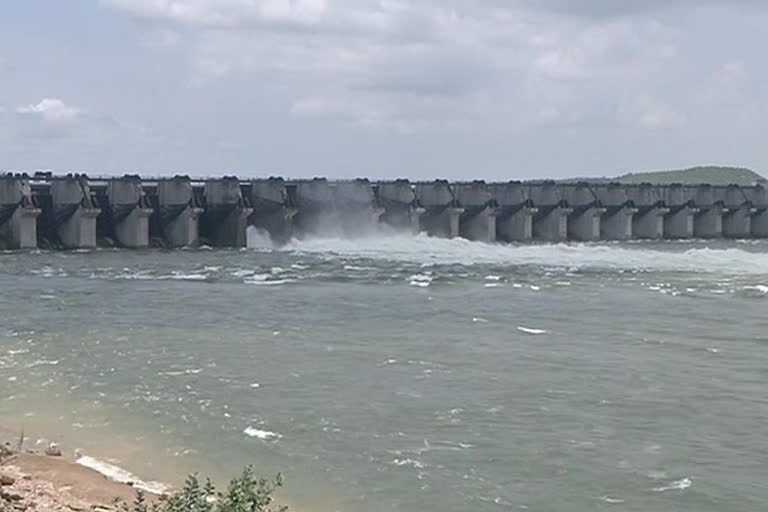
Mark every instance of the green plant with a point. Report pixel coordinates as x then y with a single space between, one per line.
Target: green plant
246 493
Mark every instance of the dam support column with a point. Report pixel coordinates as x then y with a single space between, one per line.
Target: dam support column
757 198
226 214
18 214
649 201
737 223
616 222
708 221
130 211
179 215
357 208
551 222
316 208
478 222
443 211
584 221
401 207
74 213
679 223
514 218
648 222
273 210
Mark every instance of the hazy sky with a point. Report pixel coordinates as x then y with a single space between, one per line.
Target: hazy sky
495 89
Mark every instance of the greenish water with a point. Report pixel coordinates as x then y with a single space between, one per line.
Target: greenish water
406 373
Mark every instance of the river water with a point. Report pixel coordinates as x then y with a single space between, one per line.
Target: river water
401 373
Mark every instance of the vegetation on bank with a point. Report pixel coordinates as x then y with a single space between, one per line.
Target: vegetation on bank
246 493
713 175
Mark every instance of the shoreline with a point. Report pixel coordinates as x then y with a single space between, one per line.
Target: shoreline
50 479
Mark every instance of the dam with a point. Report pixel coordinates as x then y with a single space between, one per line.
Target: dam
75 211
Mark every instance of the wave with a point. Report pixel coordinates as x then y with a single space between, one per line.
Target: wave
123 476
426 250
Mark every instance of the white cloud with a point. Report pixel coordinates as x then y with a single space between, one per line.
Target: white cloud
51 109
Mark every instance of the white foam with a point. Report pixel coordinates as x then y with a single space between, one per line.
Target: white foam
529 330
420 280
427 250
612 500
118 474
409 462
264 435
677 485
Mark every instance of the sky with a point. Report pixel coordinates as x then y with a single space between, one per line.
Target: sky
457 89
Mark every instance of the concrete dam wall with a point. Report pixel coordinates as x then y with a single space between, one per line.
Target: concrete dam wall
75 211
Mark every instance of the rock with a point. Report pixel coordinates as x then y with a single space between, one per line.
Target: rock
53 450
11 496
7 479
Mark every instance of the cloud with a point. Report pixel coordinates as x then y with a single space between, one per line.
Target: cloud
51 110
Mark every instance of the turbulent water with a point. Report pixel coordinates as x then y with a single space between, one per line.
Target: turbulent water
400 373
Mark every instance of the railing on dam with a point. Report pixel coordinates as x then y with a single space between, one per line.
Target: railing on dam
79 211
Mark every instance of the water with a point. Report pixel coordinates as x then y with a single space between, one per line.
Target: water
406 373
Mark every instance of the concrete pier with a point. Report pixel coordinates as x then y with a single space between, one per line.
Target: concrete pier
316 208
550 223
179 215
225 221
74 213
355 203
18 214
514 219
401 207
708 221
679 222
616 223
129 212
737 222
648 221
273 210
443 211
478 222
586 212
758 200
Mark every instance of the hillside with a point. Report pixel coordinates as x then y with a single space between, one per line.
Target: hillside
695 175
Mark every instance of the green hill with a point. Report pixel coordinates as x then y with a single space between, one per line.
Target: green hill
696 175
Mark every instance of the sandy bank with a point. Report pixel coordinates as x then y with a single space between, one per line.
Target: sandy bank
39 482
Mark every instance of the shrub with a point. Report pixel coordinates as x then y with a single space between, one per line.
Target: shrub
246 493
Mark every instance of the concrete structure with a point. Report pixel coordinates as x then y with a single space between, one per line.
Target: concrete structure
617 220
355 203
648 220
679 222
316 208
586 212
758 201
737 222
514 218
225 221
18 214
708 220
401 207
129 212
74 213
273 210
550 224
478 222
178 213
443 211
